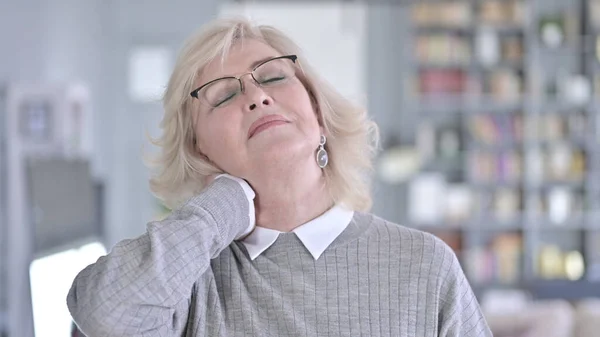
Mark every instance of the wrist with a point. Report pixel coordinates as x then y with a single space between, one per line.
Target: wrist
250 195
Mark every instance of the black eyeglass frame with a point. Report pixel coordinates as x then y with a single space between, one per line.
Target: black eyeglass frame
239 78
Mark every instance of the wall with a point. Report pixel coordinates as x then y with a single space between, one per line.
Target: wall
387 39
21 33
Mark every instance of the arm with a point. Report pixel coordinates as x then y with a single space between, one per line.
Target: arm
142 287
460 314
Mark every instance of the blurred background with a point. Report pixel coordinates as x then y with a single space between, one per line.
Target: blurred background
489 112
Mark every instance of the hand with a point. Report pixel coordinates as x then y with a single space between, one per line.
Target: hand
250 194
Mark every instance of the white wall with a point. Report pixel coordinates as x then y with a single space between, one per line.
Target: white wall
331 34
21 37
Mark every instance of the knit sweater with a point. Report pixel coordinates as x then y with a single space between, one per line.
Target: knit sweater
188 276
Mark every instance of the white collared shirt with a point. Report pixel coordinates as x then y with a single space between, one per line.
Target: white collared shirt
316 235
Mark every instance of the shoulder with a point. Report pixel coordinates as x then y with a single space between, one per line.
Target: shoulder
411 246
405 238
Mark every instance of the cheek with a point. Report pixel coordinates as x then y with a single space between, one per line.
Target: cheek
308 113
298 101
218 136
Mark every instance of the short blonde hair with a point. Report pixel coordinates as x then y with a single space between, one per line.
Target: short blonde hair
352 138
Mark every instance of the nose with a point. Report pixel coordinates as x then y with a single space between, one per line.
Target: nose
255 96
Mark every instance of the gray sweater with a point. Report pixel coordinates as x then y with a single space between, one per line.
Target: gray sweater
187 276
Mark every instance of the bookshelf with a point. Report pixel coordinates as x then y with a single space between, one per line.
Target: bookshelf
505 83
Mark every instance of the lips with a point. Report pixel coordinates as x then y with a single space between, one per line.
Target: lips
264 122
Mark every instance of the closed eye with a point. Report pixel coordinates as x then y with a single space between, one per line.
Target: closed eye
273 80
225 100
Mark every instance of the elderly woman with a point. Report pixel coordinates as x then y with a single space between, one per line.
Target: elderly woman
266 168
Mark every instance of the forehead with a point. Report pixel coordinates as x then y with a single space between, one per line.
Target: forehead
242 57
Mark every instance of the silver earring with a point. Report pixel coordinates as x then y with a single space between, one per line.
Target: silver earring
322 156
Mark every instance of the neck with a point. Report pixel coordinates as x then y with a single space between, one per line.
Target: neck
289 198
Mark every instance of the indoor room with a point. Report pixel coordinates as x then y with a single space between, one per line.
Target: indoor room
488 116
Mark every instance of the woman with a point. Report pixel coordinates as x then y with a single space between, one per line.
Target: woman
266 169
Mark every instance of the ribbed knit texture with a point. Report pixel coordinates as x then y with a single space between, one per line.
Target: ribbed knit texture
185 277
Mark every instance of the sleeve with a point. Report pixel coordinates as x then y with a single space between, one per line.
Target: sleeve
249 193
459 313
143 286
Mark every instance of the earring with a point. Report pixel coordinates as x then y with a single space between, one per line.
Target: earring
322 156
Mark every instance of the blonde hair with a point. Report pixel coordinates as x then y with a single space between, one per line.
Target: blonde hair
352 138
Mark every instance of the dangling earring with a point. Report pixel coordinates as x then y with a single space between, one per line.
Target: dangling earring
322 156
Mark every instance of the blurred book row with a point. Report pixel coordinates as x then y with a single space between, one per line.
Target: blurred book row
460 13
500 259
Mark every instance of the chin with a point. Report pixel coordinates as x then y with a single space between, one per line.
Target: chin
281 146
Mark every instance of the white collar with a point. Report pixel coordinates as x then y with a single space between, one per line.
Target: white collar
316 235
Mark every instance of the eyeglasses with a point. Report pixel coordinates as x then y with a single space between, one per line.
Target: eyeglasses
270 73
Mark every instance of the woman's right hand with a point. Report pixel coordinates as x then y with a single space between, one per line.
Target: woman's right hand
250 195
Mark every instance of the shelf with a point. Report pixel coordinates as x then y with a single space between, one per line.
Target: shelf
495 225
466 104
476 146
553 105
480 287
495 184
545 289
473 225
528 187
569 290
441 164
443 29
572 142
437 228
547 225
502 28
444 65
535 187
515 65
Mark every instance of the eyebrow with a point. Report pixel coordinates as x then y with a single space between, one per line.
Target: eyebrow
253 66
259 62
